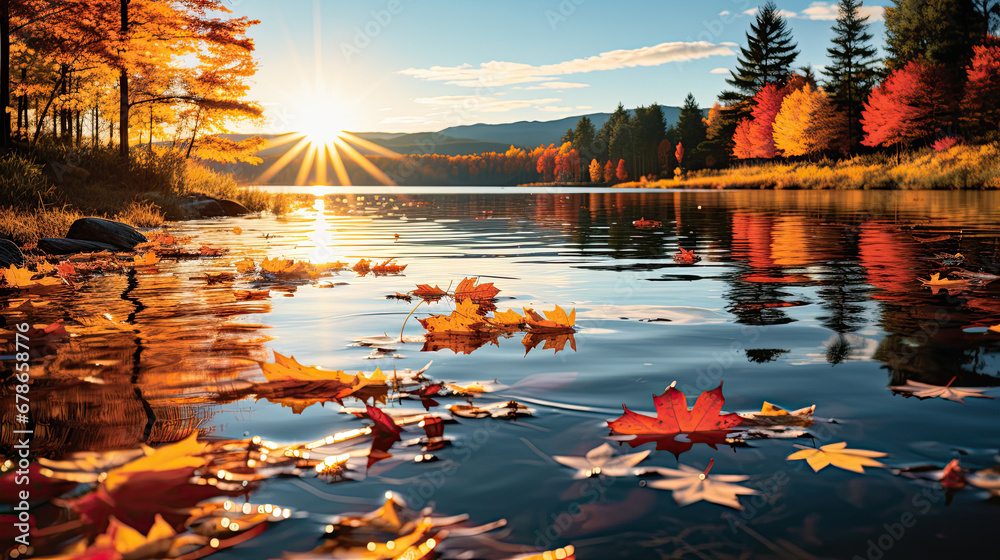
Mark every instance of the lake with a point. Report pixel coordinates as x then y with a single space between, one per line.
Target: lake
800 298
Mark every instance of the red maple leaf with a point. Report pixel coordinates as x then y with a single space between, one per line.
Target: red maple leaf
427 292
686 257
673 416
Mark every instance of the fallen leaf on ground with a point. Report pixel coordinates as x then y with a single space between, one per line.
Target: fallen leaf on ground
690 485
926 391
17 277
673 416
66 268
45 267
838 455
602 460
467 289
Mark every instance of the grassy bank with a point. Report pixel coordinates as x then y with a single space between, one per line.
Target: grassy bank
961 167
44 190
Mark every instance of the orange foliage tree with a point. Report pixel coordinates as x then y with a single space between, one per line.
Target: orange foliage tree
806 123
595 171
609 172
743 140
911 105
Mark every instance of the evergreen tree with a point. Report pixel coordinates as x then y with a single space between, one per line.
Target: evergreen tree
606 146
568 136
691 130
767 58
583 137
940 31
851 72
649 127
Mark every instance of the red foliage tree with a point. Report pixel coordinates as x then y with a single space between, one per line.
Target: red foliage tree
768 103
620 173
981 103
547 163
743 140
663 155
679 153
609 172
911 105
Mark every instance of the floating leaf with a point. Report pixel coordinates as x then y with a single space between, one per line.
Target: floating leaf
17 277
467 289
237 230
673 416
690 485
602 460
686 257
427 292
146 259
387 267
555 320
773 415
643 223
246 265
927 391
838 455
465 319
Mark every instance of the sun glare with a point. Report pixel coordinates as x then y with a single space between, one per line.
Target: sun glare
324 127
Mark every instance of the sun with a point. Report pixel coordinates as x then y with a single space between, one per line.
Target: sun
323 125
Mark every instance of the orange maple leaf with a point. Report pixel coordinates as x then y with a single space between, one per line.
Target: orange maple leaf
66 268
467 289
387 267
146 259
427 292
509 319
673 416
686 257
465 319
17 277
555 320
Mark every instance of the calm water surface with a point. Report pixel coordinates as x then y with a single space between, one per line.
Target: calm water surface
801 298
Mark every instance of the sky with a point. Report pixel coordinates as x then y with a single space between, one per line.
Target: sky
424 65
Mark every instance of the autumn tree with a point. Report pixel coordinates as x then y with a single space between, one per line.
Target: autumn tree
851 72
767 104
620 173
806 123
663 155
547 163
980 114
912 104
609 172
595 171
715 149
679 154
743 146
767 59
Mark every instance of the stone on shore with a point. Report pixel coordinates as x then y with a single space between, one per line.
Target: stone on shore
10 254
116 234
63 246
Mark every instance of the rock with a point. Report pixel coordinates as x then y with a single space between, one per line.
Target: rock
63 246
233 208
10 254
116 234
194 207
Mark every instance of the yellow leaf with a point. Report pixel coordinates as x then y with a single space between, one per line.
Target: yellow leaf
237 230
995 328
376 378
286 368
17 277
772 410
146 259
246 265
558 315
126 539
509 318
838 455
465 319
169 457
45 267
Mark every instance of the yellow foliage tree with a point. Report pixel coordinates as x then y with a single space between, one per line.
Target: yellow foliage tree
806 123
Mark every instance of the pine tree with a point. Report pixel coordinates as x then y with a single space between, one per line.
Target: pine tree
691 129
767 59
851 72
940 31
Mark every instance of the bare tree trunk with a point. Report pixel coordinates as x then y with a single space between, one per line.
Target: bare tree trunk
123 91
5 73
194 133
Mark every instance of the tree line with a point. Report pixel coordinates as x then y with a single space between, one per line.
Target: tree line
127 72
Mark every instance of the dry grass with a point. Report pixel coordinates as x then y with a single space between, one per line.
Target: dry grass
961 167
26 227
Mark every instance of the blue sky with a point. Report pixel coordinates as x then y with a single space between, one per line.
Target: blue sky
412 65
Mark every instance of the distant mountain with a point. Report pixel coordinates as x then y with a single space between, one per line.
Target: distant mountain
534 133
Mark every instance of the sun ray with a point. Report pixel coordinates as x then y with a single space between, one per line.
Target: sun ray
369 145
283 139
321 164
306 166
338 166
283 161
363 162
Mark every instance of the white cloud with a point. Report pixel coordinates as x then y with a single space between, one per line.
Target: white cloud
830 11
724 13
406 120
750 12
499 73
719 71
485 104
554 85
